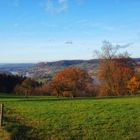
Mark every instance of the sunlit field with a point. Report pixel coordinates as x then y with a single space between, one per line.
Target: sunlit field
71 119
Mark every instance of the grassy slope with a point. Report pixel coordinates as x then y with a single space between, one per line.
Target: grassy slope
52 118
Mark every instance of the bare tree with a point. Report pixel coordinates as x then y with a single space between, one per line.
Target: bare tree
115 69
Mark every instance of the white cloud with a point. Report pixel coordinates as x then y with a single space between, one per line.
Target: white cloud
80 2
84 23
16 3
56 6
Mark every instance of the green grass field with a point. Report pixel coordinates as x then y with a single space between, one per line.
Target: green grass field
50 118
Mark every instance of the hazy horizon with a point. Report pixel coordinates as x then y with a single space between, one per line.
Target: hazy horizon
33 31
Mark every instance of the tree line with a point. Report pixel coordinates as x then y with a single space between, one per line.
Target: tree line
9 82
117 76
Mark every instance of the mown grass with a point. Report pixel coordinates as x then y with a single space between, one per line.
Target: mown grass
50 118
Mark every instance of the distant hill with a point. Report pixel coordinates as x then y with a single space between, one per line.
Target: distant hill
67 63
45 70
48 69
14 68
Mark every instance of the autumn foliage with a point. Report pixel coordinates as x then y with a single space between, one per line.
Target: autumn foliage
115 70
114 75
27 87
70 82
117 75
133 85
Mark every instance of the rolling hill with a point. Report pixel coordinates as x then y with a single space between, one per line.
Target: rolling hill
45 70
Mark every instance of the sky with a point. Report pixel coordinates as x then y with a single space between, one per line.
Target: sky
50 30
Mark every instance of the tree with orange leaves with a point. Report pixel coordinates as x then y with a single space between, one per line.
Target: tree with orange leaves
70 81
114 70
133 85
116 75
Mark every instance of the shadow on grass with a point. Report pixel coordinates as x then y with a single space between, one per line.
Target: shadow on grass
53 98
18 130
44 99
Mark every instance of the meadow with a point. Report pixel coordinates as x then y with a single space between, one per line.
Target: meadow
51 118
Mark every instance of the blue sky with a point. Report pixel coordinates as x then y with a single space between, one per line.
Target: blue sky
49 30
